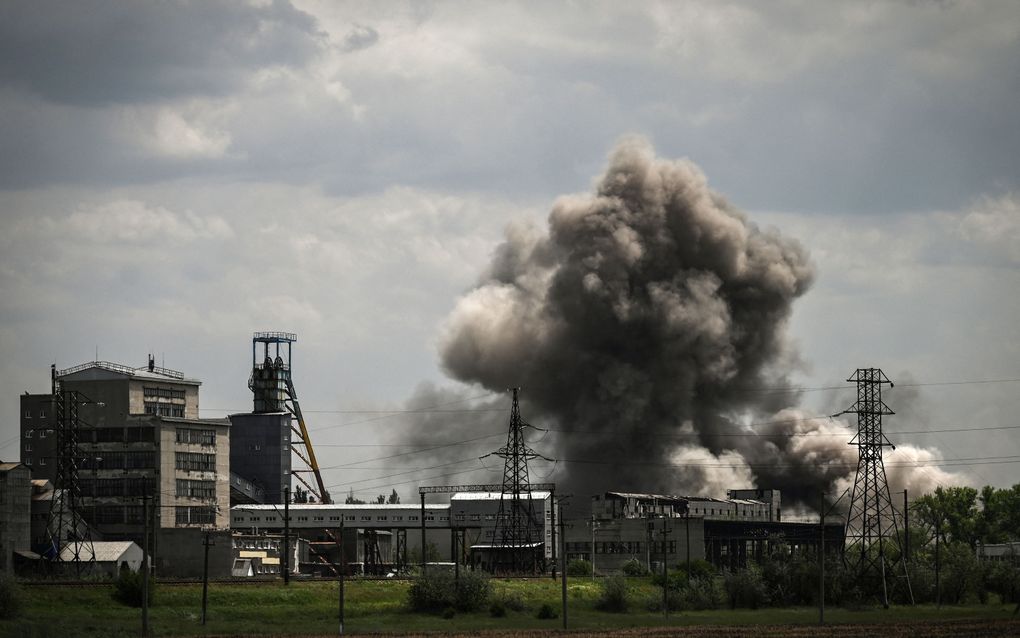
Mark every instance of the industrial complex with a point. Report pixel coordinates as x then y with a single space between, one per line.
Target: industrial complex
116 465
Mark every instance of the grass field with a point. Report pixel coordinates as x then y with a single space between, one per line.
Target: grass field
378 606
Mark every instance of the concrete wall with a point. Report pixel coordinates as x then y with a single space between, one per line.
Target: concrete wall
38 438
260 451
15 510
180 553
622 540
169 447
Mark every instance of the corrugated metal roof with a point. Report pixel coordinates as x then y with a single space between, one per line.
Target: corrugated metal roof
490 496
105 551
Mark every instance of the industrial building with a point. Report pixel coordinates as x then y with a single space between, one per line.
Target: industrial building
15 513
135 433
650 528
379 537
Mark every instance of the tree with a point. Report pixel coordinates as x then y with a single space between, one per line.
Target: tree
350 500
954 509
999 519
380 500
394 498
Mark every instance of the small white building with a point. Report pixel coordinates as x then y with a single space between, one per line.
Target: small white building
111 556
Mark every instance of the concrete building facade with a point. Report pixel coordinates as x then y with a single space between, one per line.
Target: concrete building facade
139 435
15 513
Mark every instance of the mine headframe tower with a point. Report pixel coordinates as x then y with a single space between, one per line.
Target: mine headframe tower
871 527
516 538
69 536
272 384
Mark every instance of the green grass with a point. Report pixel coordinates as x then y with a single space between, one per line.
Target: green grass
377 606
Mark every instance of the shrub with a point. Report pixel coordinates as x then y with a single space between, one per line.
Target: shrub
497 609
700 568
634 567
702 593
545 612
449 613
614 594
437 591
676 580
512 601
1004 580
128 588
10 598
745 588
579 567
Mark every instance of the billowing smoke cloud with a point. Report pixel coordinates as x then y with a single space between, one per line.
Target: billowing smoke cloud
647 326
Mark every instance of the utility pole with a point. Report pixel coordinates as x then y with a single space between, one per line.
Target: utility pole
871 519
286 535
145 566
341 571
424 557
938 581
906 527
687 534
563 572
205 575
665 573
593 547
552 504
821 562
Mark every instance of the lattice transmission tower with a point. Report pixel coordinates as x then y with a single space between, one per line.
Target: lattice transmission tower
517 541
69 536
871 527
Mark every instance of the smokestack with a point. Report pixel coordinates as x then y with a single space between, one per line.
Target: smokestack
152 363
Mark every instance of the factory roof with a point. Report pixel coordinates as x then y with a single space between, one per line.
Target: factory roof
646 497
6 467
312 507
105 551
156 373
491 496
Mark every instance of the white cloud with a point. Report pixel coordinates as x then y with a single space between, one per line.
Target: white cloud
134 221
994 223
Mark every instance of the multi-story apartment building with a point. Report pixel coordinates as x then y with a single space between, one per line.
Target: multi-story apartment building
138 435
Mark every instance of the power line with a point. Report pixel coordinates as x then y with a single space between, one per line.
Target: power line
426 449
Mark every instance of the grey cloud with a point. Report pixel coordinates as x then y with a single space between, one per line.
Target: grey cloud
97 53
359 37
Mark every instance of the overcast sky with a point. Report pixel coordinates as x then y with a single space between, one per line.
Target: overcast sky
177 175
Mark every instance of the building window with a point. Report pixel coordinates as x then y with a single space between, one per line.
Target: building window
476 517
195 461
42 460
398 518
380 518
28 433
42 434
430 517
348 517
28 447
28 414
42 414
195 515
187 488
28 461
412 518
192 435
366 518
317 518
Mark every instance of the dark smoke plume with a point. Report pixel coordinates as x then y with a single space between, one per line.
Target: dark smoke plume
650 320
